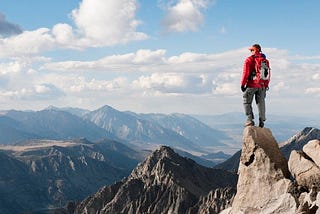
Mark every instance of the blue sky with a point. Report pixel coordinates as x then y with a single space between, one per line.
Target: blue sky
163 56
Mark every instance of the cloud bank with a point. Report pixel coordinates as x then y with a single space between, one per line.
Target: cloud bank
145 80
146 77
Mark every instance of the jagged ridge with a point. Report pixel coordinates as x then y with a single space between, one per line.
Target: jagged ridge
163 183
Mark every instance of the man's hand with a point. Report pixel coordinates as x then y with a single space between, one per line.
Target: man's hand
243 88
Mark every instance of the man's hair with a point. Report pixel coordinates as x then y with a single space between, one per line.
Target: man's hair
257 46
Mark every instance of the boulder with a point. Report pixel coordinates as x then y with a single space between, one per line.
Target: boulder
304 170
312 149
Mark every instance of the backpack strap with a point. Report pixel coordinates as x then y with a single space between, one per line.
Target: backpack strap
252 68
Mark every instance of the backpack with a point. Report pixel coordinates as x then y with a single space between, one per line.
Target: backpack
261 72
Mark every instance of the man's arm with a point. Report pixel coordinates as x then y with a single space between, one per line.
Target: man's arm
245 74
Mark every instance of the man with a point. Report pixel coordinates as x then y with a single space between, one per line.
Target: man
254 86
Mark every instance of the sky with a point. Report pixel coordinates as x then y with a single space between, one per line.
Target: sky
161 56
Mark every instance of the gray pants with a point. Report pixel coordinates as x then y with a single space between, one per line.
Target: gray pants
260 95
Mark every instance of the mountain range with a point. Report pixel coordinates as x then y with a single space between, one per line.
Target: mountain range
47 173
196 134
53 156
139 131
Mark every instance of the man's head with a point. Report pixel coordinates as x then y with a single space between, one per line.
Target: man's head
255 47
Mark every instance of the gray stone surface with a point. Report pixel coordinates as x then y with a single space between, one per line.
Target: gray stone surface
263 185
303 169
312 149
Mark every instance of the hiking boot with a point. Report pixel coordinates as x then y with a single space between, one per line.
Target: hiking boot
261 123
249 123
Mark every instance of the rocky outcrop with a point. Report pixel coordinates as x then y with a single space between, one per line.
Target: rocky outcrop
216 201
165 183
296 142
305 167
312 149
264 185
268 183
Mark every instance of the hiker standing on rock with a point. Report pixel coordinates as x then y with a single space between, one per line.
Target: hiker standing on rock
254 84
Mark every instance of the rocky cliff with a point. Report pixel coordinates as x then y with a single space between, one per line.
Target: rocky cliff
165 183
268 184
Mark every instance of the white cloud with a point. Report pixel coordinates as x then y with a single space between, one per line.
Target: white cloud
313 91
156 61
77 85
188 57
105 23
149 57
20 65
280 86
64 36
226 89
176 83
185 15
26 43
99 23
316 76
81 85
162 82
298 57
124 63
9 68
36 92
41 89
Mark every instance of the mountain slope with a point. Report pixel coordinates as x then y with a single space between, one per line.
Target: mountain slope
46 173
12 131
189 128
164 183
143 133
55 124
232 164
18 190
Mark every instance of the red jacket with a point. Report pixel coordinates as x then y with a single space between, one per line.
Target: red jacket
249 65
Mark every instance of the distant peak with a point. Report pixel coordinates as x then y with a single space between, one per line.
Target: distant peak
106 107
50 107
